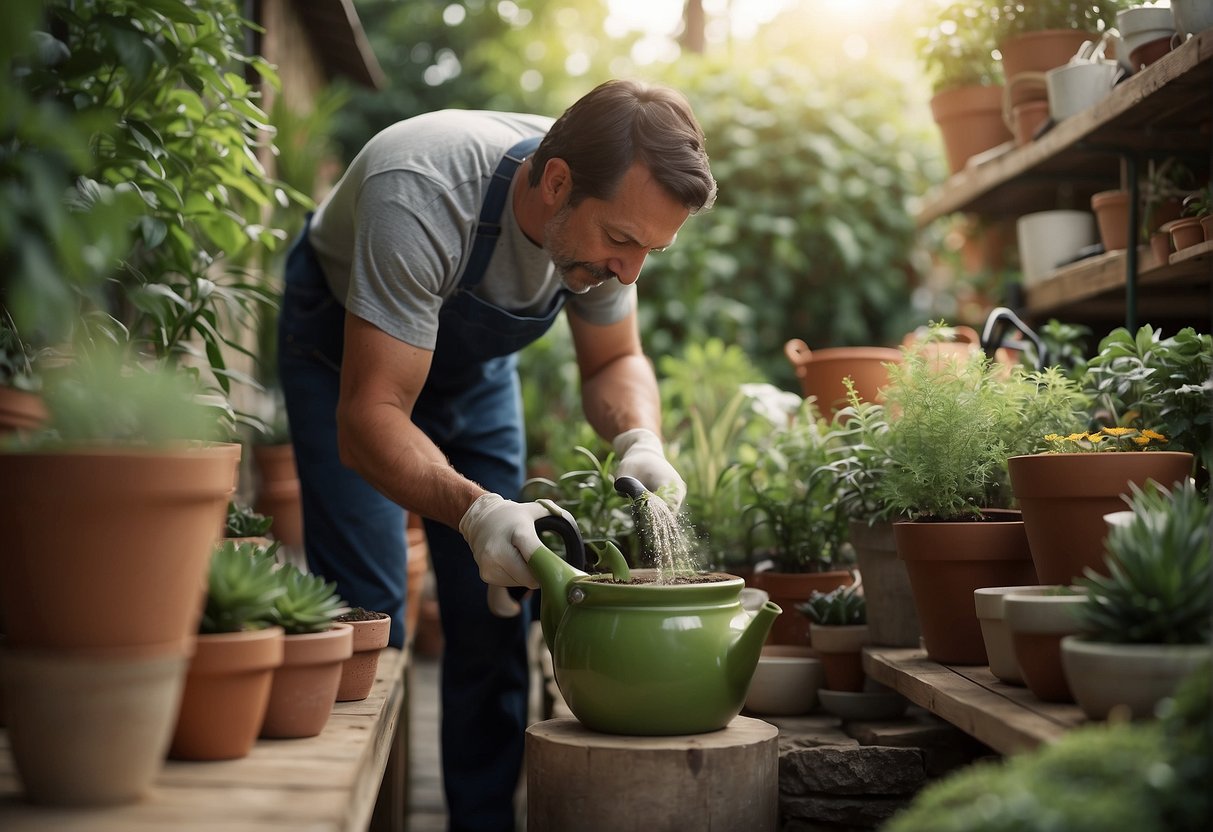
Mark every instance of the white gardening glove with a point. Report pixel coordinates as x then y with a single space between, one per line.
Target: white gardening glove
502 536
641 456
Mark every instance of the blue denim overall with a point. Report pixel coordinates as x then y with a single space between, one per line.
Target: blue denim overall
471 408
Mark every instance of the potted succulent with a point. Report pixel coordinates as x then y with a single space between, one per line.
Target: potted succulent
796 533
957 54
1149 402
243 523
315 649
1146 620
235 654
838 631
945 473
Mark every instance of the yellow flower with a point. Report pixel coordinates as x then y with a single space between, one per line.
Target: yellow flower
1095 438
1076 437
1053 437
1149 434
1117 431
1142 440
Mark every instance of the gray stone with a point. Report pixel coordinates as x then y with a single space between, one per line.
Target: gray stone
864 770
865 813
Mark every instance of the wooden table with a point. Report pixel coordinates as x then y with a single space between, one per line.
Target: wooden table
1005 717
318 784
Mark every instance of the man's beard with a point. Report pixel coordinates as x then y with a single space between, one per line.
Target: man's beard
590 276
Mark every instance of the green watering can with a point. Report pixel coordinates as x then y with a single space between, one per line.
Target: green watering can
645 658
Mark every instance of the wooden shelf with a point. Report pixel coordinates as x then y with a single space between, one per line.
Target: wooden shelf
1162 110
324 783
1007 718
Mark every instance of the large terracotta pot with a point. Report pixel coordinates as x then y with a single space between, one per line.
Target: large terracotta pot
109 547
970 121
892 619
278 494
89 729
787 589
947 562
1064 498
226 693
821 372
305 684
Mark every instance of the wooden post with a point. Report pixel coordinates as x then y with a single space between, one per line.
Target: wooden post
591 782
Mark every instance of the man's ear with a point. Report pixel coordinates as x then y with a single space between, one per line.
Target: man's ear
556 182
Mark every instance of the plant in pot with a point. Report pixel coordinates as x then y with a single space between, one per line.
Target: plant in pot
956 52
371 631
121 454
315 649
21 407
857 445
237 649
796 533
945 473
1146 618
1163 189
1196 224
1149 399
245 524
838 631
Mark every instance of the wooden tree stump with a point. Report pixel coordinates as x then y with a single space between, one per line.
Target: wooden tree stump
591 782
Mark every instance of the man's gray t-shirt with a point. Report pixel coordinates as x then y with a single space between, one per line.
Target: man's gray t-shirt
394 234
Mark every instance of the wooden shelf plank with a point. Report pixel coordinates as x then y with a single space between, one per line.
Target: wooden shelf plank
326 783
1151 111
1007 718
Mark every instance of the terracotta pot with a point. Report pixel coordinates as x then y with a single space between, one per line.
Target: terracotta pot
1064 498
20 411
1037 622
1129 677
305 684
1159 214
892 619
278 494
839 649
139 523
1027 118
226 693
1112 215
970 122
821 372
947 562
1149 52
1186 232
964 345
991 615
1038 52
358 671
89 730
787 589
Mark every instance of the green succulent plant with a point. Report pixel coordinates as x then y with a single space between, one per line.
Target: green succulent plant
837 608
241 588
1157 587
242 521
308 603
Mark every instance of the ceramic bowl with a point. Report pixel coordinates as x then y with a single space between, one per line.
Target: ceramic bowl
876 702
786 682
1047 238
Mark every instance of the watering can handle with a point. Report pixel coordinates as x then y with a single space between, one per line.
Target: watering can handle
992 335
574 548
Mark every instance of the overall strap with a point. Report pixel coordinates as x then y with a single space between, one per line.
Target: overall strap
489 227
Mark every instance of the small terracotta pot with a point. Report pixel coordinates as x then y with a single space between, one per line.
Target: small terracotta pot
839 648
1148 53
305 685
1027 118
358 671
1112 214
1038 622
21 412
226 693
1186 232
1160 247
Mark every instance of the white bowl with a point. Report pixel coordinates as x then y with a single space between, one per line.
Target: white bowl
786 681
1073 88
1047 238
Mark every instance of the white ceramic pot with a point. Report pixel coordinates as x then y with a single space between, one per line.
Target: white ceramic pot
786 681
1129 677
1191 16
1142 24
1075 87
1047 238
991 615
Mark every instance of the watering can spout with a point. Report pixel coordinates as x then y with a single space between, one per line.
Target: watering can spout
743 655
555 576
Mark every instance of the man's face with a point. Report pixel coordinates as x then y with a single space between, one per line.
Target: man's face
603 239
